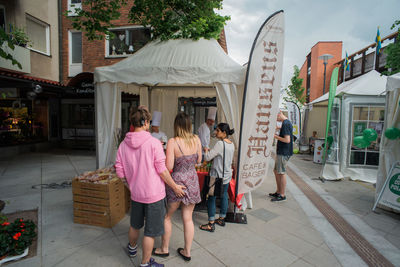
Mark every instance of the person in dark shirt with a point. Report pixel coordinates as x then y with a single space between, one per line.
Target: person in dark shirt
284 150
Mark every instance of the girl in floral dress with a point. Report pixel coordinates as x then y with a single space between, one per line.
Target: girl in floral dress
183 153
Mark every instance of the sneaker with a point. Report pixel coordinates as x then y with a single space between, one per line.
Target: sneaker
132 251
273 194
278 198
152 263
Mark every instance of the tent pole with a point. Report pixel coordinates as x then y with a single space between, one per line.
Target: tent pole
96 127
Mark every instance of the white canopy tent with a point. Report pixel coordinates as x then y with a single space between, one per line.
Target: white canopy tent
390 149
364 94
160 73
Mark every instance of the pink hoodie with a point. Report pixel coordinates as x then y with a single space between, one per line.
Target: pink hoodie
140 159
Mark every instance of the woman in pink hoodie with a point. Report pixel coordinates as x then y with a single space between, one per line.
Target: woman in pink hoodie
141 160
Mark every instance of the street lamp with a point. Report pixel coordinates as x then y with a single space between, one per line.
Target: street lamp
325 58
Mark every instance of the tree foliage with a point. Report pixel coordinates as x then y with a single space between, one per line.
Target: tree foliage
393 53
173 19
167 19
295 91
95 16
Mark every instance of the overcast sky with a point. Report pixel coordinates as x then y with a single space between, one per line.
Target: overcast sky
307 22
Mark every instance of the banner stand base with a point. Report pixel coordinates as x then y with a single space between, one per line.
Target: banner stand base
240 218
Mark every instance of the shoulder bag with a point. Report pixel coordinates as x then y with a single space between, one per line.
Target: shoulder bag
213 186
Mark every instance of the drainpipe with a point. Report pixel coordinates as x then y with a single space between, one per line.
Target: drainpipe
60 29
60 66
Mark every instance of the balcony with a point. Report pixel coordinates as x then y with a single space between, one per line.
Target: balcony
21 54
366 60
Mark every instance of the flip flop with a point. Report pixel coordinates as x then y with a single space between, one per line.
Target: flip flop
220 221
163 255
209 227
186 258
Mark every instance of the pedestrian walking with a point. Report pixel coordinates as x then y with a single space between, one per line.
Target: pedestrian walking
222 156
284 150
141 160
183 152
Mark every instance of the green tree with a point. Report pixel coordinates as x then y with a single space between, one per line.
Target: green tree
173 19
169 19
95 16
393 53
295 91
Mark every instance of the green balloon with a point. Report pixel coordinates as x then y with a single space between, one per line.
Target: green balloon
370 134
361 142
392 133
330 140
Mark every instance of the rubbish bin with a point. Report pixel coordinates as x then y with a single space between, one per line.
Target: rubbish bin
318 150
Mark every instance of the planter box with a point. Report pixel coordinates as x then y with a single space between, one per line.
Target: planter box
21 54
99 204
14 258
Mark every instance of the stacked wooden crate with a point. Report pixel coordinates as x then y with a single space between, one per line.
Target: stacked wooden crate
99 204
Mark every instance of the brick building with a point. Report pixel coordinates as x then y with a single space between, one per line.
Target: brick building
312 71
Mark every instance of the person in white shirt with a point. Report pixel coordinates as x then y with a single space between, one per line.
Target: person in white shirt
204 129
155 129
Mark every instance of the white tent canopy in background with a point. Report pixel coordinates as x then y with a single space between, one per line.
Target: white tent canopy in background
161 72
368 84
390 149
364 90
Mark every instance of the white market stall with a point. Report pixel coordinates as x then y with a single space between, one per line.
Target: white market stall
160 73
390 149
359 104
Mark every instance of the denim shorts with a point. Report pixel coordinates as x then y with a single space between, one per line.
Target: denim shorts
153 213
280 163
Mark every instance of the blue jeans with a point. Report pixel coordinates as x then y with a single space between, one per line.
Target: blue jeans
224 204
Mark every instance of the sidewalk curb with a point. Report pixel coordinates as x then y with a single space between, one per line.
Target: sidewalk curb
384 247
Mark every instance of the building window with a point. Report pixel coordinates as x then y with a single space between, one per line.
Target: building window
366 116
127 41
308 79
72 5
39 34
75 53
2 17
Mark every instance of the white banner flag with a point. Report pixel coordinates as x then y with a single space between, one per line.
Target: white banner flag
260 103
294 117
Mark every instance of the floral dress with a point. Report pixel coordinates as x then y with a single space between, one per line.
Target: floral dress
184 173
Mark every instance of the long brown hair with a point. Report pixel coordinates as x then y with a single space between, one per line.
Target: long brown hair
183 129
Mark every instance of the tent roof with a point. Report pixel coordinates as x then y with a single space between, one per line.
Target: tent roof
175 62
371 83
393 82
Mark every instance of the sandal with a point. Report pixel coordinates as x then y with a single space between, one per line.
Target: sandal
210 227
163 255
220 221
186 258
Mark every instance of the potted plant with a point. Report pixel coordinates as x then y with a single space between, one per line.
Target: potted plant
19 36
15 238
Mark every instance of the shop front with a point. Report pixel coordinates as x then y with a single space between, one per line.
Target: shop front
29 111
78 113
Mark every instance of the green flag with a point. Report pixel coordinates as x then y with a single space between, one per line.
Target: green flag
332 93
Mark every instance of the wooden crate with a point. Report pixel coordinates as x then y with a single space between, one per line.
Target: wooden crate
99 204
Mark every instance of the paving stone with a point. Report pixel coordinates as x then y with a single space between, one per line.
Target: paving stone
263 214
295 245
319 257
300 263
